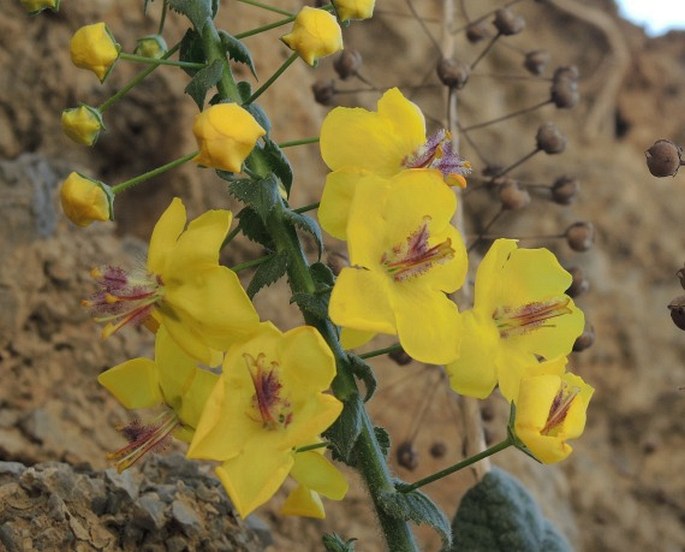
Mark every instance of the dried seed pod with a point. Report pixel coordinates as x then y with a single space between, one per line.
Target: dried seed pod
513 194
324 91
564 190
564 94
550 139
584 340
664 158
400 357
681 276
580 284
438 449
677 308
453 73
347 63
476 32
407 456
536 61
507 22
580 236
567 72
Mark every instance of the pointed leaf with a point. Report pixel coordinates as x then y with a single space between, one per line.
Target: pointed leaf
260 116
261 195
267 273
322 274
335 543
237 51
279 163
253 228
315 304
383 438
307 224
198 11
344 432
363 371
191 50
203 80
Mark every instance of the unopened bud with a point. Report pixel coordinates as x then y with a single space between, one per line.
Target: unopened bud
407 456
476 32
550 139
580 236
536 61
400 357
580 284
508 22
438 449
677 308
513 194
153 46
323 91
584 340
664 158
564 190
453 73
348 63
336 261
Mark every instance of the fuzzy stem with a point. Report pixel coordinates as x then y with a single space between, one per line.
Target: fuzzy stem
379 352
155 61
287 63
300 142
249 264
266 7
151 174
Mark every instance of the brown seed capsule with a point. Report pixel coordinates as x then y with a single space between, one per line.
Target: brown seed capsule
580 236
664 158
453 73
681 276
564 94
567 72
336 261
677 308
407 456
347 63
550 139
400 357
323 91
478 31
438 449
580 284
584 340
536 61
564 190
513 195
508 22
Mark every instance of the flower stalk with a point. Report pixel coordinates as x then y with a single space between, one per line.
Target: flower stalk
151 174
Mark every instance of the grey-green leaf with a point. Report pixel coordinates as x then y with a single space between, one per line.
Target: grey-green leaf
307 224
261 195
335 543
198 11
237 51
203 80
267 273
344 432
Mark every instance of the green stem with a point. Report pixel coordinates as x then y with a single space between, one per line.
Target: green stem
266 7
137 80
458 466
211 43
162 18
265 28
379 352
250 264
311 447
287 63
232 234
151 174
155 61
300 142
306 208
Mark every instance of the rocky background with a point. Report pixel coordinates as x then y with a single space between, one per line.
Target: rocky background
622 489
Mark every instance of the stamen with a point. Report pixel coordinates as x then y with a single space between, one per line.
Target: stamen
438 153
274 411
560 407
523 319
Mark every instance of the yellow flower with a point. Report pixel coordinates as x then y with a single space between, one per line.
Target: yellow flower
520 313
316 34
269 400
315 476
184 288
550 410
85 200
355 141
354 9
82 124
93 47
226 134
404 256
152 46
37 6
173 381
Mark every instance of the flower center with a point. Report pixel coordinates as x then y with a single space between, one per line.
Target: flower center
142 438
525 318
438 153
414 256
560 406
274 411
122 297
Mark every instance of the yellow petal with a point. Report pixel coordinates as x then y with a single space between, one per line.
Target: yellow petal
134 383
195 397
308 358
164 236
351 339
314 471
336 200
303 502
487 292
176 369
514 364
354 9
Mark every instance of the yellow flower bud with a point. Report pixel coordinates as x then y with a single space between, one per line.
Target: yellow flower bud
85 200
226 134
354 9
93 47
82 124
316 34
37 6
153 46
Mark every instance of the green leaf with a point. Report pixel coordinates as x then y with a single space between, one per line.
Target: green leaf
259 114
383 438
267 273
253 228
244 90
322 274
335 543
237 51
417 507
191 50
279 163
363 371
499 515
307 224
343 434
203 80
315 304
262 195
198 11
